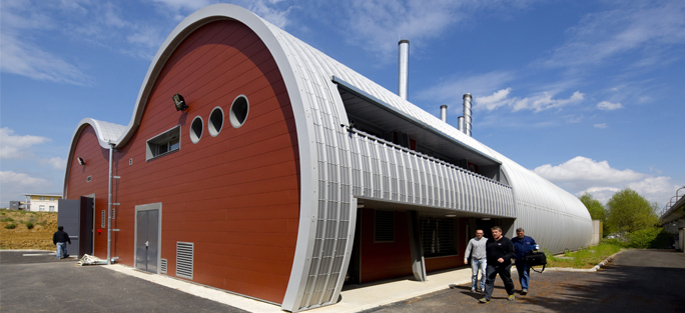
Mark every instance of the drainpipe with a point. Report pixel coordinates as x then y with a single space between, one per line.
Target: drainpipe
109 207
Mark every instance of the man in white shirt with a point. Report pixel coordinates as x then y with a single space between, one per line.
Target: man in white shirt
476 248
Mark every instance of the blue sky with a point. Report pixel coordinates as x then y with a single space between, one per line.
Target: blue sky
588 94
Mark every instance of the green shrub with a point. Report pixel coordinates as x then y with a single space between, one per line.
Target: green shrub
11 226
7 219
643 238
29 225
663 240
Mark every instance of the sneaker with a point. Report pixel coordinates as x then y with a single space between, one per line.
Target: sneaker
483 300
511 298
524 292
473 289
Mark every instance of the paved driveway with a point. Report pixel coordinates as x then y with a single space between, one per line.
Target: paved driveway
636 281
35 281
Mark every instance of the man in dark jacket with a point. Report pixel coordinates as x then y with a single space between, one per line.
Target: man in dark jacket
500 251
523 244
60 239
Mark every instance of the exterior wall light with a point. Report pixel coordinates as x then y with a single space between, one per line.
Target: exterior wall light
81 161
179 102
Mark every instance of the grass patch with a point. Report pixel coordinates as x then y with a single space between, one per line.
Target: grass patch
583 258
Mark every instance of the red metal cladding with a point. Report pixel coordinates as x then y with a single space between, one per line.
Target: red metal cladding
234 195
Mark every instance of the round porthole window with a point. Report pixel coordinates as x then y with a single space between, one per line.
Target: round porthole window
216 121
196 129
239 110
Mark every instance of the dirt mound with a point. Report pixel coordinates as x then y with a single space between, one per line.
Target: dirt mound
27 230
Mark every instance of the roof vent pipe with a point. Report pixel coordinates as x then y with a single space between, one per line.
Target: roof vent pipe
467 114
443 113
403 68
460 123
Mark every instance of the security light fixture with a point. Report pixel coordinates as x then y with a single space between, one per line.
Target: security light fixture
179 102
81 161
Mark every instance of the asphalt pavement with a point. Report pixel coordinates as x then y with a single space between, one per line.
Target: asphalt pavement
635 281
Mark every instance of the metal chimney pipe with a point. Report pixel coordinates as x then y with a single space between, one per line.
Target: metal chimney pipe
443 113
403 68
467 114
460 124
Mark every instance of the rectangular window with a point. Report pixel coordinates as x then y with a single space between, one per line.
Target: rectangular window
52 208
164 143
438 236
102 220
41 208
384 226
52 198
42 198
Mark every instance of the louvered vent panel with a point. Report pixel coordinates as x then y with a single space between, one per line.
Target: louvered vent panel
384 226
162 266
184 259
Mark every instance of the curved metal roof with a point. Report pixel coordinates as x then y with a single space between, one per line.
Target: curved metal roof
557 219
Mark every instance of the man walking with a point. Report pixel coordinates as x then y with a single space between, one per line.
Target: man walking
476 248
522 245
500 251
60 239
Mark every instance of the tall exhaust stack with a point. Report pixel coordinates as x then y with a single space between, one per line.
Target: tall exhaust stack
467 114
443 113
404 68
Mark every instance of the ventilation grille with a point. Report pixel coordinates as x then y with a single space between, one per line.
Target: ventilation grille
184 259
384 226
162 266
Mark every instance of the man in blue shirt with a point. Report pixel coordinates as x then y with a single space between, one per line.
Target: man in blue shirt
522 244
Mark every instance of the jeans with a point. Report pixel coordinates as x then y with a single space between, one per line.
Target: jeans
504 271
61 250
524 273
476 266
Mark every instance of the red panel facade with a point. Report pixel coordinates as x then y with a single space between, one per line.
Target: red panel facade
384 260
234 195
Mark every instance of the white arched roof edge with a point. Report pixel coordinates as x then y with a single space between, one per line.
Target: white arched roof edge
300 106
106 134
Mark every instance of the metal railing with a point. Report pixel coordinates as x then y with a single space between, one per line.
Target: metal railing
667 208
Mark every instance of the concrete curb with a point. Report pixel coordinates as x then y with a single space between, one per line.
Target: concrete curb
593 269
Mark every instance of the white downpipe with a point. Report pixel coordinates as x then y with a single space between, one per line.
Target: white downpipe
109 207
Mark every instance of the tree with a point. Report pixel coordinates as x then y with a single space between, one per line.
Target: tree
627 211
596 209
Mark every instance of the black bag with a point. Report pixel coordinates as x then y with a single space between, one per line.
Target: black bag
534 258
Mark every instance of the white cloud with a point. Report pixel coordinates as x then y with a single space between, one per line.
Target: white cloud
495 100
13 184
580 175
57 163
602 194
544 101
184 5
15 147
601 126
582 170
450 91
629 27
609 106
26 59
10 178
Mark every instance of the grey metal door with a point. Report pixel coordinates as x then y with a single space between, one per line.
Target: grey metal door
147 240
77 218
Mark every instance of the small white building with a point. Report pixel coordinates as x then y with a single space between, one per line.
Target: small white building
44 202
